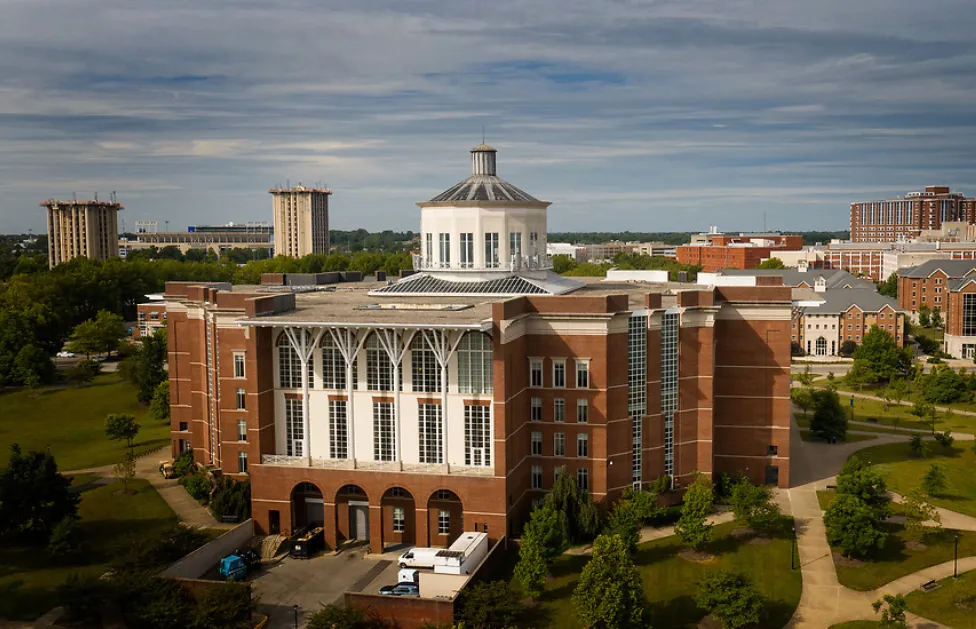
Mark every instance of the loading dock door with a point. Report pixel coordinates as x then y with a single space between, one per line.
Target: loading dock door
359 521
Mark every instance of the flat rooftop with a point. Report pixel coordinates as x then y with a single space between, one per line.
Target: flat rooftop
351 303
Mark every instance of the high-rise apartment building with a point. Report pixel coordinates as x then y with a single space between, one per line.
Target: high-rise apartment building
905 217
88 229
301 220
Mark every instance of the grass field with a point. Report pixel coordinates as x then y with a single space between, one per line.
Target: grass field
29 578
670 582
825 498
71 422
807 435
903 472
873 411
939 605
959 423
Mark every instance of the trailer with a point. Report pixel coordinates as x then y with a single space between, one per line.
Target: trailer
463 556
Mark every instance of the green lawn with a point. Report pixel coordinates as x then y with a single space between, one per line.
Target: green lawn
670 582
29 579
903 472
825 498
896 415
807 435
938 605
955 422
936 334
71 421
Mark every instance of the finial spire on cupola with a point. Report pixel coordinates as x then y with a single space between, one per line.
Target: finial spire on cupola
483 160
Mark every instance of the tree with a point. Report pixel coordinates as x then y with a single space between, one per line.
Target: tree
917 512
645 503
34 497
847 348
805 377
892 610
32 366
945 438
882 355
889 287
853 526
80 374
159 407
829 419
119 426
936 318
546 531
923 316
65 539
771 263
125 470
691 527
923 411
944 386
85 339
111 330
754 505
934 481
861 480
625 523
730 597
532 569
860 374
490 605
803 399
226 607
582 517
610 593
147 368
918 446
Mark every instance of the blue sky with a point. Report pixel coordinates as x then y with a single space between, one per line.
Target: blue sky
647 116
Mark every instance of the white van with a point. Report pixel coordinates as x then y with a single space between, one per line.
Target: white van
418 558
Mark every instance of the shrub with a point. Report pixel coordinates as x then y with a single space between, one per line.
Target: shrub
730 597
82 598
945 439
231 498
197 485
65 539
933 360
754 505
919 447
227 606
691 527
660 485
847 348
934 481
183 465
490 605
171 544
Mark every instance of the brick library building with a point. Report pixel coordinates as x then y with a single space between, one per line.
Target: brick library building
406 412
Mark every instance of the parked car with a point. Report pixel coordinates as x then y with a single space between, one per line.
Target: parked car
66 355
166 469
401 589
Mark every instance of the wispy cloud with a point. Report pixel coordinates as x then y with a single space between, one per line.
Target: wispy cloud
672 114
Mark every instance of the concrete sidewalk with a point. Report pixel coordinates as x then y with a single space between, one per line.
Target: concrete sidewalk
189 511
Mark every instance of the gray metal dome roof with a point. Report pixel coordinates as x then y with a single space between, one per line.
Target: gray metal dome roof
484 184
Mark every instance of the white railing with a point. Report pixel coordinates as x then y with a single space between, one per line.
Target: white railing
284 459
377 466
541 262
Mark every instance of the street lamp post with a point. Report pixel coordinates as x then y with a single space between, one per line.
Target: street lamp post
955 558
296 616
793 549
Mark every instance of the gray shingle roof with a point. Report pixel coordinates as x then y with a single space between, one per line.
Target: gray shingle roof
952 268
836 278
838 300
484 188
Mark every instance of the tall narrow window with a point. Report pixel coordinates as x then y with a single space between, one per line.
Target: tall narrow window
474 363
536 412
491 250
467 250
559 444
533 243
515 244
294 428
429 253
535 372
379 369
443 522
399 520
382 431
431 433
333 364
338 430
582 445
289 365
559 373
582 411
536 443
242 430
477 435
445 250
238 365
559 410
583 479
425 370
241 396
669 384
242 462
582 373
536 477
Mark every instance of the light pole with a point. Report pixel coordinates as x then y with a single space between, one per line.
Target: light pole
955 558
296 616
793 549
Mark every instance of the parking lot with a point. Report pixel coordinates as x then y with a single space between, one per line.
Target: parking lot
312 583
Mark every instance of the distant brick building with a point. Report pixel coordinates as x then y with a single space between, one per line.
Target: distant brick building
716 251
905 217
928 283
151 317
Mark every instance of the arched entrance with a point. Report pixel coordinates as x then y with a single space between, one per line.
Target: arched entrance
352 514
399 518
307 506
821 346
445 518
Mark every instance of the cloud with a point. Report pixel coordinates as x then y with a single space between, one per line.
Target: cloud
672 114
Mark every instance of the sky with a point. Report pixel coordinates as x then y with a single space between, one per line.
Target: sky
626 115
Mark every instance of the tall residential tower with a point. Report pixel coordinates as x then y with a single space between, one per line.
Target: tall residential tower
301 220
88 229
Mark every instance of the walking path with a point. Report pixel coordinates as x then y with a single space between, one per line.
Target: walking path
823 600
868 396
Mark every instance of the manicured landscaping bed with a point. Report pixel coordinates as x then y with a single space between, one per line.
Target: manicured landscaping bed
896 560
903 471
938 605
670 582
71 422
29 578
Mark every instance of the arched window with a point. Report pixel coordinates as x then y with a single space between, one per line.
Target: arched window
474 363
821 346
379 369
333 364
425 369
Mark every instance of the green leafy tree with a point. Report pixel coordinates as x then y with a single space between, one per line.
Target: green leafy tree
829 419
34 497
860 374
924 316
934 482
771 263
691 527
853 526
645 503
147 369
754 505
889 287
847 348
803 399
226 607
936 318
923 411
125 470
65 540
85 339
159 407
918 446
532 569
917 512
730 597
546 530
862 481
32 367
490 605
121 426
944 386
582 517
625 522
882 355
805 377
610 592
892 609
110 329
